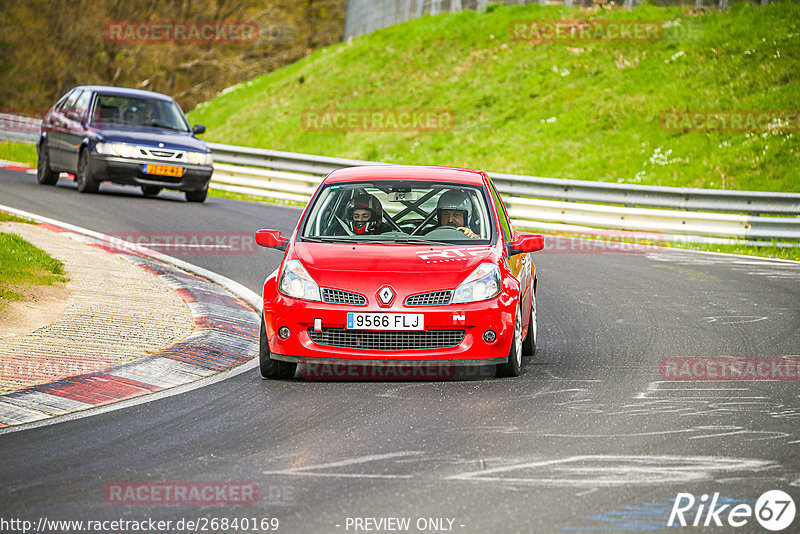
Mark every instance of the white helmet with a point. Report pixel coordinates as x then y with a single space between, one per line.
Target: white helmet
455 199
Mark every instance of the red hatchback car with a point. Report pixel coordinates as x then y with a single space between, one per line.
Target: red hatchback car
406 265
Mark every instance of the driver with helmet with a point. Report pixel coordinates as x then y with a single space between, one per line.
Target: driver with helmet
364 214
455 209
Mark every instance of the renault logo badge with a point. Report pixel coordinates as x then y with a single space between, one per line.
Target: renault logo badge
386 295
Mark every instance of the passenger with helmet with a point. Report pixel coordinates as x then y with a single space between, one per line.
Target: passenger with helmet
454 209
365 214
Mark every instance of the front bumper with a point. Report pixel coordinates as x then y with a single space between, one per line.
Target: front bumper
453 333
130 172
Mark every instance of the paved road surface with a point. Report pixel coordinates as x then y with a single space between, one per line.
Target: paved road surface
588 438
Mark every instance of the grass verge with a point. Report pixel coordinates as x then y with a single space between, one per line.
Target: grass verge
14 218
581 110
19 152
22 266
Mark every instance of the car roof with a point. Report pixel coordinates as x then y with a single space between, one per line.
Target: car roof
124 91
406 172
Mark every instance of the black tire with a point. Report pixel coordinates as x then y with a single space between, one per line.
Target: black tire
86 182
197 196
529 344
44 174
273 369
514 365
151 190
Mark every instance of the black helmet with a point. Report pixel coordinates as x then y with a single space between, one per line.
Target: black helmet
455 199
365 201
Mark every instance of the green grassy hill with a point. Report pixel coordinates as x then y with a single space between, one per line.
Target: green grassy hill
566 110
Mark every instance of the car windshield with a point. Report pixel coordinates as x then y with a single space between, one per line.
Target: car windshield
409 212
138 112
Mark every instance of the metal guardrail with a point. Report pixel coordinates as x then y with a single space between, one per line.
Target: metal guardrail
533 202
18 128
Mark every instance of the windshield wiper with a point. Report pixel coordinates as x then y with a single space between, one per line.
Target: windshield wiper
156 124
418 241
324 239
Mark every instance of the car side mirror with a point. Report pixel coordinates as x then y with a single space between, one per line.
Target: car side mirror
271 239
198 129
526 243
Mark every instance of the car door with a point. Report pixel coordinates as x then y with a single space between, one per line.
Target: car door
75 131
57 140
520 264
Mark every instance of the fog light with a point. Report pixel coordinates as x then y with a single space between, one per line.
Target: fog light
283 332
489 336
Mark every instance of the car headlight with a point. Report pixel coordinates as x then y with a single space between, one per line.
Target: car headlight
122 150
199 158
482 284
296 282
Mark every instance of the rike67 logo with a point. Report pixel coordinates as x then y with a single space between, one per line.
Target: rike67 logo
774 511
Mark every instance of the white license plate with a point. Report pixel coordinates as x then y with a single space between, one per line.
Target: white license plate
385 321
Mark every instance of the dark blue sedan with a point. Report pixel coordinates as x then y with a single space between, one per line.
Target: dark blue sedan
126 136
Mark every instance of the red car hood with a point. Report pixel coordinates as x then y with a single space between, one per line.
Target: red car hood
409 268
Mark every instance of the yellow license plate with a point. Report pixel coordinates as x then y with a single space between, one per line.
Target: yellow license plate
163 170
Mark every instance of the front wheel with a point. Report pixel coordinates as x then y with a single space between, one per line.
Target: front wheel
272 368
44 174
514 365
86 182
197 196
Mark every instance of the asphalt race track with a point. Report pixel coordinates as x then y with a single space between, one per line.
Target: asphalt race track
590 437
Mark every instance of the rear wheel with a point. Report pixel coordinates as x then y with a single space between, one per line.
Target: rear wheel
529 344
272 368
197 196
151 190
86 182
514 365
44 174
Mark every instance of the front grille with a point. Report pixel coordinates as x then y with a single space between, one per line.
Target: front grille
387 340
174 156
337 296
437 298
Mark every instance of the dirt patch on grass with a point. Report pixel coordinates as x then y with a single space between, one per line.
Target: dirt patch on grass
41 306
